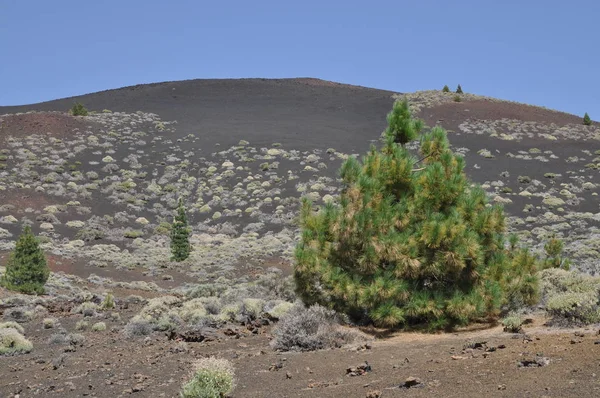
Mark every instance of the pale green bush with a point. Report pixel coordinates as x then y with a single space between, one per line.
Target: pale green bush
81 325
86 308
279 310
512 323
99 327
49 323
12 342
212 378
12 325
571 297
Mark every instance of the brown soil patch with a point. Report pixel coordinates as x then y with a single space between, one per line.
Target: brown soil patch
34 200
54 124
108 365
458 112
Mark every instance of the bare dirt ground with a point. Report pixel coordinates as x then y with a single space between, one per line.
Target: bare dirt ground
106 365
524 156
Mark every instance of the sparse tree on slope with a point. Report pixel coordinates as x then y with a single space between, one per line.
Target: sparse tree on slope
180 234
26 270
459 89
587 120
411 242
79 110
446 89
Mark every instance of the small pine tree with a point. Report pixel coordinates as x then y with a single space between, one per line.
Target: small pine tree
26 270
446 89
78 110
412 242
401 127
554 254
586 120
180 235
459 89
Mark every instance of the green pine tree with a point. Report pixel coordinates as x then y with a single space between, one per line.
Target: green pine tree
180 235
459 89
586 120
446 89
79 110
412 241
26 270
401 127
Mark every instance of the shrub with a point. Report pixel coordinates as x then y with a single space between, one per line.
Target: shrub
180 235
81 325
99 327
79 110
570 297
89 234
87 309
75 339
193 310
49 323
109 301
446 89
12 325
279 310
12 342
587 120
18 314
413 242
252 308
459 90
211 378
457 98
57 338
132 234
26 269
137 326
512 323
313 328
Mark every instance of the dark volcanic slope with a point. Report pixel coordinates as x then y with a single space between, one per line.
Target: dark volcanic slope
304 113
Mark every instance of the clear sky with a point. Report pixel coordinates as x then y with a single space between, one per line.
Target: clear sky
542 52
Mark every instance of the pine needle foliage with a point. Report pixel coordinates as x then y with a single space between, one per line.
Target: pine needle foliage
412 241
180 235
401 127
26 270
459 90
587 120
446 89
79 110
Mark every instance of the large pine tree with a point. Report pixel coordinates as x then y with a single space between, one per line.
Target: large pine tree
180 235
26 270
412 241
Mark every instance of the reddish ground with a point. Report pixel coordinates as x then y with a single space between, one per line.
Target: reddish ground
54 124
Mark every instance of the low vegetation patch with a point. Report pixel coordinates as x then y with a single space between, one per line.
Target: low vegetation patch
211 378
313 328
570 297
12 342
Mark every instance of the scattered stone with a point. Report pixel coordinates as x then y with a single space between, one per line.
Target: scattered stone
412 382
373 394
358 370
537 362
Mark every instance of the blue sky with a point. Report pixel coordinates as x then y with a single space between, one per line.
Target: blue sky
538 52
